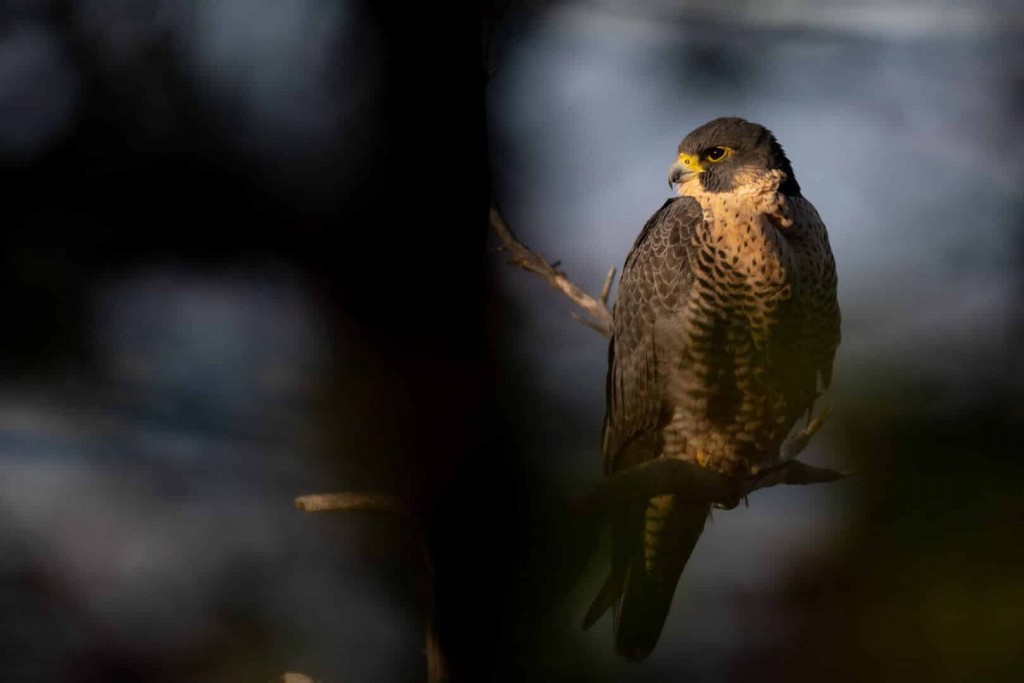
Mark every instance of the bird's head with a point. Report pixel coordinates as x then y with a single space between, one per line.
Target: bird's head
725 154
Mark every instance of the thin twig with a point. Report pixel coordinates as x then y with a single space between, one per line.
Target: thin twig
437 667
293 677
795 446
520 256
344 502
607 288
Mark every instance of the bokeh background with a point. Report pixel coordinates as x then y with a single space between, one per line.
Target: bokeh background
243 256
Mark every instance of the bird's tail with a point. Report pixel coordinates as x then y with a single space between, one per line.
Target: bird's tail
648 556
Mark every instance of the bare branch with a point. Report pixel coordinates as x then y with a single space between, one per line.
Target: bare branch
520 256
292 677
793 473
597 327
607 288
437 668
693 483
664 475
340 502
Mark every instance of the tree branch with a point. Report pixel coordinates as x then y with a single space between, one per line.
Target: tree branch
520 256
693 483
344 502
293 677
437 667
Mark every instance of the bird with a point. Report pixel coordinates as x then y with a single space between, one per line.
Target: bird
725 328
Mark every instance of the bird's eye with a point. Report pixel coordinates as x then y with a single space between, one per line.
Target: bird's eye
718 153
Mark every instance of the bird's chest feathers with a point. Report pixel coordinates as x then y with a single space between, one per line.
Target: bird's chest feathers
741 239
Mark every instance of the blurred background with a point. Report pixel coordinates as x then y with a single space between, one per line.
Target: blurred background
244 256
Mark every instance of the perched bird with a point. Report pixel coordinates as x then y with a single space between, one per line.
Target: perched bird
725 327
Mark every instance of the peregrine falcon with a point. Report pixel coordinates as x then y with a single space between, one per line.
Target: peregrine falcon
725 327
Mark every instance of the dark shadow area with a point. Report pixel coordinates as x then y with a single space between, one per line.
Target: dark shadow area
242 258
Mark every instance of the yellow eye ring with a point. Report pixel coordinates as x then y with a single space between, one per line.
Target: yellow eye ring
718 154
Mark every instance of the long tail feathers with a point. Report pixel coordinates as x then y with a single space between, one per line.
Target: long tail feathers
643 580
609 594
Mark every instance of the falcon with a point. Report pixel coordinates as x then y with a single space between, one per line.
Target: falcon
725 327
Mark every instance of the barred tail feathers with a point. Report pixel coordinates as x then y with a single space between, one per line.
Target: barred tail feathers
643 580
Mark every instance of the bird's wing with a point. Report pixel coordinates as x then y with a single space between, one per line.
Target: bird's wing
817 306
828 310
655 284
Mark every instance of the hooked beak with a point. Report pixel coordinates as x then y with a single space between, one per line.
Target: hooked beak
685 167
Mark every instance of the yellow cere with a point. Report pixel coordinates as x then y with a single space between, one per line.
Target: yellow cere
691 162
